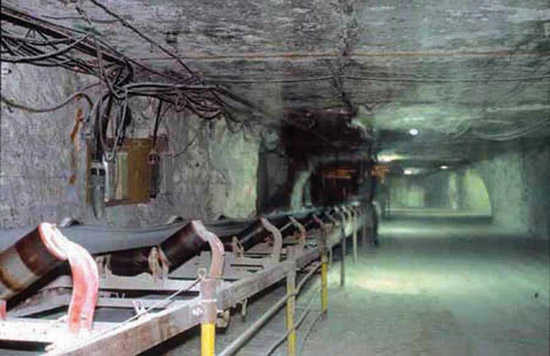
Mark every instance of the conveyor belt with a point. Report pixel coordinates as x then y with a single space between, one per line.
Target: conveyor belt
102 239
130 249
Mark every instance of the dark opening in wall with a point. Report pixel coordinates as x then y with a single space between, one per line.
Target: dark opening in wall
319 159
335 183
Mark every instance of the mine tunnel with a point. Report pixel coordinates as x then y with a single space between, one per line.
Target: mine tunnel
275 177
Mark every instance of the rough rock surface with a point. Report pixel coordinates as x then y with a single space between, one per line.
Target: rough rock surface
43 173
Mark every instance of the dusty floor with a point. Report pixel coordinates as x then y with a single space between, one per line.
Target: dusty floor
433 287
441 289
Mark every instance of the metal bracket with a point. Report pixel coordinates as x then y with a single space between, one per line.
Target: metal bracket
301 233
332 219
139 308
216 246
293 250
173 220
322 237
223 319
351 218
3 308
84 273
237 248
67 222
343 221
244 305
103 265
158 263
277 240
210 281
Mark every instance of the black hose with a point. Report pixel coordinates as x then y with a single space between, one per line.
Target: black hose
49 109
45 55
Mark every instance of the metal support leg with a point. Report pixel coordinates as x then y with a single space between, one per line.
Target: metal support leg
322 244
364 229
343 247
354 235
324 284
343 262
290 311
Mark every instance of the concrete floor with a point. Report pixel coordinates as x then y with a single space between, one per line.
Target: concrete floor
433 287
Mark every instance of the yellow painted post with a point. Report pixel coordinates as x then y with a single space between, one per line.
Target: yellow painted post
208 312
290 311
208 339
324 283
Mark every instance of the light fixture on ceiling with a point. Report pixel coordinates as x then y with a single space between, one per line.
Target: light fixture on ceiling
413 132
408 172
388 157
444 167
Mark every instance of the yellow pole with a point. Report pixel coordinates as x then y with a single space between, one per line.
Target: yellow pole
324 284
208 339
290 310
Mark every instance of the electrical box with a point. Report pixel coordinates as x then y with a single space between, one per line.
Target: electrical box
134 175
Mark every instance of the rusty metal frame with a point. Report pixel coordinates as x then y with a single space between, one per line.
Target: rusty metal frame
277 240
216 295
84 272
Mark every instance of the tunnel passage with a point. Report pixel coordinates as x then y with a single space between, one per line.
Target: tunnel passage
134 121
302 168
445 191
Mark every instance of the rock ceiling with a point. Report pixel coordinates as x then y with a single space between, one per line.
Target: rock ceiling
460 71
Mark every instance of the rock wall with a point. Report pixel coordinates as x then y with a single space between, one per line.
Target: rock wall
43 172
519 186
460 189
406 192
475 196
40 168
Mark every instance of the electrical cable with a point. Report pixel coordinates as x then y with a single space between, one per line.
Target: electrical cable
36 42
512 135
45 55
77 18
13 104
127 24
157 123
373 78
175 155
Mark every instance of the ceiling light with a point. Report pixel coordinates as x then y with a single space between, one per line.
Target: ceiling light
408 172
444 167
413 132
389 157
